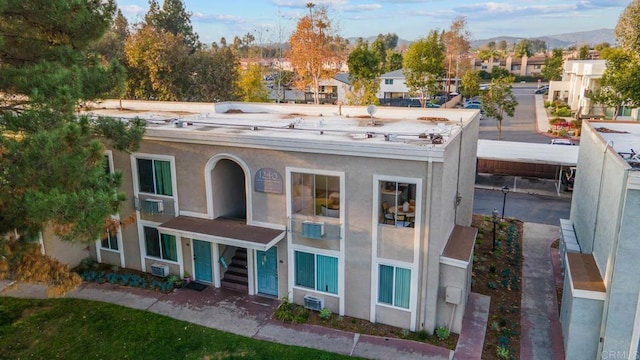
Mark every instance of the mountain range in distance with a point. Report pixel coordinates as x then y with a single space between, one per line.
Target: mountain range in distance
591 38
578 39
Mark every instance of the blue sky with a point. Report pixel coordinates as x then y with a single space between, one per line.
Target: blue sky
274 20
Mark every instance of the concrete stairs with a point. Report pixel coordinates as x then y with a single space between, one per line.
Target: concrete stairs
236 276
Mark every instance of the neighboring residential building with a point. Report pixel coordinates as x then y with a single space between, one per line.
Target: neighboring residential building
524 66
580 78
331 91
600 311
395 92
369 218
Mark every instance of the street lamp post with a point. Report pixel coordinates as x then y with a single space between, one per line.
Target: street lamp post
505 191
494 215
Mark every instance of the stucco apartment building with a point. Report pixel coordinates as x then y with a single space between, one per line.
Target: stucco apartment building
600 247
366 216
580 78
524 66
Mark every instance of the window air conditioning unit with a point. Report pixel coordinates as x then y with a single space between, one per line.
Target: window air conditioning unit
160 270
314 230
313 303
154 206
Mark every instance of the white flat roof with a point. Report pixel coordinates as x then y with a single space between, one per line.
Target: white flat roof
549 154
622 136
396 132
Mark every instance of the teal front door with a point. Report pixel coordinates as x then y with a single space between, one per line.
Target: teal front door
267 271
202 260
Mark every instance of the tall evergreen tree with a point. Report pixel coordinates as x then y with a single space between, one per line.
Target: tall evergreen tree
51 159
424 65
173 18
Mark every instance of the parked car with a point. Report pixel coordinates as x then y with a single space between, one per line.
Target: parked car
542 90
472 105
561 142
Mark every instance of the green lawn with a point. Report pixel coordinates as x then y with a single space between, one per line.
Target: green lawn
79 329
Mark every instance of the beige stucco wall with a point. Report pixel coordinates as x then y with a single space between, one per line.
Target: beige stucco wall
439 213
64 251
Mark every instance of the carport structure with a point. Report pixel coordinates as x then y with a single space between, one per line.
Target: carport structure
526 159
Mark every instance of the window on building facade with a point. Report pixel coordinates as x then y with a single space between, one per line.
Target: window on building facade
397 203
158 245
110 240
154 177
315 195
388 81
318 272
394 286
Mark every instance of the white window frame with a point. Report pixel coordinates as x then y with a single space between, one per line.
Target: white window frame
153 157
417 231
393 296
115 217
315 253
315 272
289 178
396 198
143 243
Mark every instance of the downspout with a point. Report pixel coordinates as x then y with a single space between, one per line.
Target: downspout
425 242
595 223
458 197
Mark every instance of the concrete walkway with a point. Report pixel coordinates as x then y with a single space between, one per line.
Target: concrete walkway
250 316
541 332
542 119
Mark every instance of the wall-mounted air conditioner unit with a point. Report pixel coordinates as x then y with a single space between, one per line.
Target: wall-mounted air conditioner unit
313 230
313 303
153 206
160 270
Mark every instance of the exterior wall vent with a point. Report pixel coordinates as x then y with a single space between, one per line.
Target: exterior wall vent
313 230
159 270
313 303
153 206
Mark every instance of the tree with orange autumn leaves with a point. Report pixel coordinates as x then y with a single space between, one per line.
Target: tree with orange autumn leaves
317 52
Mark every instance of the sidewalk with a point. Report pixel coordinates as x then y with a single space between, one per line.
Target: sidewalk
542 119
250 316
541 331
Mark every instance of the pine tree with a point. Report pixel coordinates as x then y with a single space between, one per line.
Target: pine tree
52 160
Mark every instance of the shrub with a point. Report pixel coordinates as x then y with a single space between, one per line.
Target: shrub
442 333
285 310
325 314
556 121
301 315
502 352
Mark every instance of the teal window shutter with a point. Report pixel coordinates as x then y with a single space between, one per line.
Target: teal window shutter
169 251
327 274
305 269
163 178
402 288
385 285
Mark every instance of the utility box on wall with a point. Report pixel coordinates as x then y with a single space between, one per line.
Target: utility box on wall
453 295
